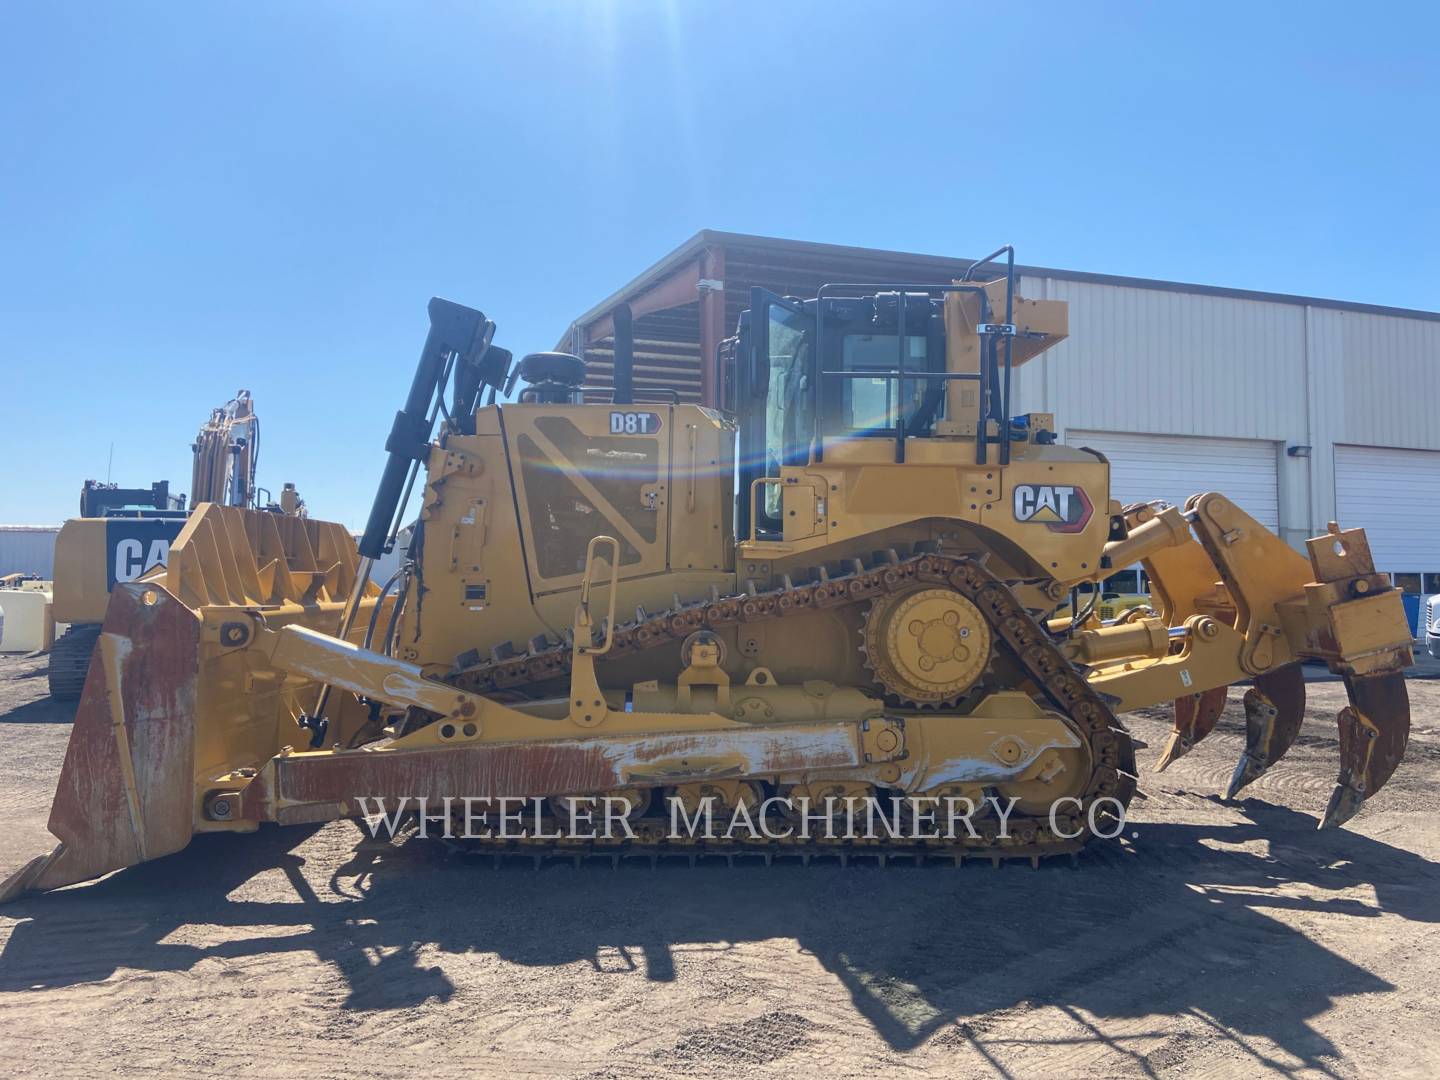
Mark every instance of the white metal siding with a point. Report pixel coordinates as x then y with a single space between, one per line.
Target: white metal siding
1394 495
1389 381
1372 381
1183 363
1174 467
27 550
1285 374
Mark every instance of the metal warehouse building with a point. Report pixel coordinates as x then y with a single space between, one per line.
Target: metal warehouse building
1301 409
28 549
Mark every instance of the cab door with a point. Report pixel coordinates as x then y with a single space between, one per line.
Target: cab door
777 406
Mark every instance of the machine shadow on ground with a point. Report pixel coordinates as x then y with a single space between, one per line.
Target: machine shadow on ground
43 711
1175 922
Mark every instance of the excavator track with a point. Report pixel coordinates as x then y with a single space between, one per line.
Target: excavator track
1017 633
70 660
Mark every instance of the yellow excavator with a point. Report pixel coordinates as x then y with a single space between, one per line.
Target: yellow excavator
841 587
123 532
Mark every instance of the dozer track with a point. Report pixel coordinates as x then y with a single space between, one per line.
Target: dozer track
1018 633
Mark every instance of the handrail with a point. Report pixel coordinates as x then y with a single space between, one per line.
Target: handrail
582 614
674 394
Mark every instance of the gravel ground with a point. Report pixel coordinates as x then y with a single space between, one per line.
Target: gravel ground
1217 940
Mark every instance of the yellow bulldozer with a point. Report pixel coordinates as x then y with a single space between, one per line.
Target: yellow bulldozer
839 590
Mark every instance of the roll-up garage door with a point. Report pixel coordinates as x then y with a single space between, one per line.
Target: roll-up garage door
1394 495
1174 467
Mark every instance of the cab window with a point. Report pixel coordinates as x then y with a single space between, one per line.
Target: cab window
868 405
789 398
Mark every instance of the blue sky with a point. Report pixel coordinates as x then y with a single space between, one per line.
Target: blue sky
196 197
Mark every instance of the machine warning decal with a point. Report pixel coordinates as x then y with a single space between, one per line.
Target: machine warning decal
134 546
1062 507
634 423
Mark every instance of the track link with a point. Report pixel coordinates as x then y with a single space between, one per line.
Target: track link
70 660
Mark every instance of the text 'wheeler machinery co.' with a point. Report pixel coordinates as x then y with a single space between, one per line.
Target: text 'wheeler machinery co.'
841 585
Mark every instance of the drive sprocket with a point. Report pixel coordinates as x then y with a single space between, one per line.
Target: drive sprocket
927 646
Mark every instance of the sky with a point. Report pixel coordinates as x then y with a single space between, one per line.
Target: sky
198 197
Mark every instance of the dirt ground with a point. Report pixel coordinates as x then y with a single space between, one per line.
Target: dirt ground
1216 940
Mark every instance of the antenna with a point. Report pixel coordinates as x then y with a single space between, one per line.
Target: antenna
109 461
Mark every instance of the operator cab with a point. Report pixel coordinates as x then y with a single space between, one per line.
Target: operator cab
892 362
869 367
862 346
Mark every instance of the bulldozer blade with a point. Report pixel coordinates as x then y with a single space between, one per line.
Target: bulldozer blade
1374 729
125 790
1274 711
1195 717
